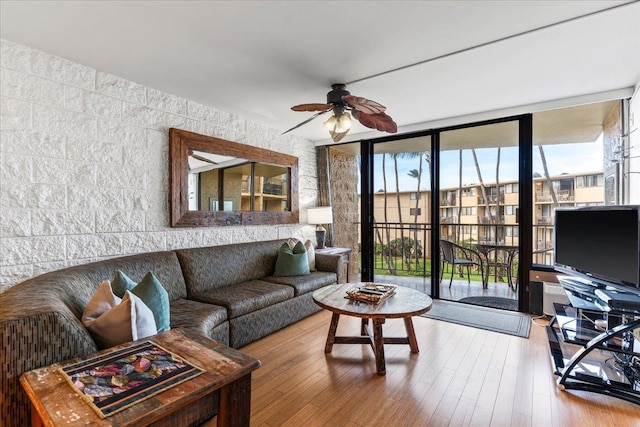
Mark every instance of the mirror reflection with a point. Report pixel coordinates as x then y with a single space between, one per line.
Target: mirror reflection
223 183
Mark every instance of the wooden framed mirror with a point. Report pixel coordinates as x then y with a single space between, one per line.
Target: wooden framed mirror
215 182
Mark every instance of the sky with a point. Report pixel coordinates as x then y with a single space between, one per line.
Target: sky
561 158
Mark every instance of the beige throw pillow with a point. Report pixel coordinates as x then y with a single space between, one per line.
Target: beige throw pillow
112 321
291 241
311 255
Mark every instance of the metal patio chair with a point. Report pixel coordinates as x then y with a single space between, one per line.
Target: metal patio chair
457 255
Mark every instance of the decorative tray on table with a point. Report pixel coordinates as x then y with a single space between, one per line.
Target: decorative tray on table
371 292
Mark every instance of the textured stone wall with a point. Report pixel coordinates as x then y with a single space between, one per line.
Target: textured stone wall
343 168
611 141
633 175
612 144
84 166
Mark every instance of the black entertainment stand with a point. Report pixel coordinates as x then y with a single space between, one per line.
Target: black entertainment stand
592 343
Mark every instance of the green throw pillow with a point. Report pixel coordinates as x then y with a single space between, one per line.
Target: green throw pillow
121 283
151 292
292 262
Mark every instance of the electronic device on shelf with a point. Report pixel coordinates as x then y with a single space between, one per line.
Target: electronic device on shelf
600 244
581 293
617 300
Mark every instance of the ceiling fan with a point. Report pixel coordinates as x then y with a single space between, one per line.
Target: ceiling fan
370 113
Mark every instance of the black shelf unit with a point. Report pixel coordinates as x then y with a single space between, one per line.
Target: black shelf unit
593 357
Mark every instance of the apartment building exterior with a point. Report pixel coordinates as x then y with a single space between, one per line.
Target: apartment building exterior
469 214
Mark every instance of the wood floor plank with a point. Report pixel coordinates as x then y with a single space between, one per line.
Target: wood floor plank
304 417
301 390
541 416
461 377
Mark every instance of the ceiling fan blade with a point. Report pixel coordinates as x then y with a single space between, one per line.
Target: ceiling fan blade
202 159
311 107
306 121
364 105
337 136
378 121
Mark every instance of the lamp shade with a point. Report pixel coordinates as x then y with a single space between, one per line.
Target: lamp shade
320 215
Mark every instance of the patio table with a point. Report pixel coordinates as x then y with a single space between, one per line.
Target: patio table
510 252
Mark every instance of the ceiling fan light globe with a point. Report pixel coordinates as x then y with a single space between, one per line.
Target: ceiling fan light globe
330 123
344 123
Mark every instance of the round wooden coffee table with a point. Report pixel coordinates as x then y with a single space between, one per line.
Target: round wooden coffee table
404 304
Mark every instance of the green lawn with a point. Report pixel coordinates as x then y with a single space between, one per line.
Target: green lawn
475 274
424 269
380 267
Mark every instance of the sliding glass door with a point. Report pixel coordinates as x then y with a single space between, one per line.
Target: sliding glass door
478 196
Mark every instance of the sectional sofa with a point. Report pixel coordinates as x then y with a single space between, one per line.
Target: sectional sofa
227 293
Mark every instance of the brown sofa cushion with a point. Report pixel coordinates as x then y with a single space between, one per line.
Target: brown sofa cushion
220 266
243 298
196 315
305 284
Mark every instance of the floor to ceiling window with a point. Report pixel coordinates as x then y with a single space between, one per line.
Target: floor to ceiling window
463 212
569 167
479 205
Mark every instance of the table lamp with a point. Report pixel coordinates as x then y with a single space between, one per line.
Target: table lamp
319 216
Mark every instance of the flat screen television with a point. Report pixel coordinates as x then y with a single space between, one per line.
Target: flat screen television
600 243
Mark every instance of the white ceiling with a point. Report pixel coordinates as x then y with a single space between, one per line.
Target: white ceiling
259 58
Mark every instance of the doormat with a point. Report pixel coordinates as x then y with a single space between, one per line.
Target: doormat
112 382
494 302
491 319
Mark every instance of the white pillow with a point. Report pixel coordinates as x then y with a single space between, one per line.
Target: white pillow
291 241
311 255
112 321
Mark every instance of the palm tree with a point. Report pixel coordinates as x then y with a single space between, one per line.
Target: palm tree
458 226
417 174
386 254
497 217
548 178
395 156
482 187
498 187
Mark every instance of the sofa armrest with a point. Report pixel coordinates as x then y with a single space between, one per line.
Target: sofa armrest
331 263
31 342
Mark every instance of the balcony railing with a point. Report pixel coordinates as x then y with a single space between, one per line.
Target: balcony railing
402 249
492 200
561 195
497 219
415 260
272 188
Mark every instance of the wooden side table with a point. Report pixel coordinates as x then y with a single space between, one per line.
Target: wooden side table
346 255
54 402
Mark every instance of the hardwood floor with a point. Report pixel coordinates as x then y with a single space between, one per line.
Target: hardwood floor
461 377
